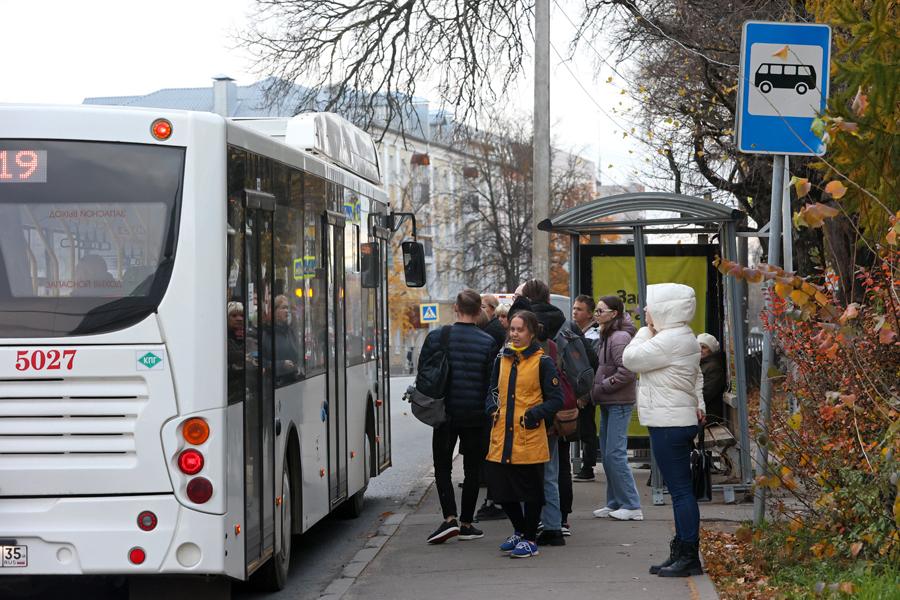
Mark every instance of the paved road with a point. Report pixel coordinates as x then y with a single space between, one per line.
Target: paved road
320 554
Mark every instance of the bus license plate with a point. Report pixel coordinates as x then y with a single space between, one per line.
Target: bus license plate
14 556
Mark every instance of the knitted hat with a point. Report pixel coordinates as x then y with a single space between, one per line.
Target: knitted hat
709 341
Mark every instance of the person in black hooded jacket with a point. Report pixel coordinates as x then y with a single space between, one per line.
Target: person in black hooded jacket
470 352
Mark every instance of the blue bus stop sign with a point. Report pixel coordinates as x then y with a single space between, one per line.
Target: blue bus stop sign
782 87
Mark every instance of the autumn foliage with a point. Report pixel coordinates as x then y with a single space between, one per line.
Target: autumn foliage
834 457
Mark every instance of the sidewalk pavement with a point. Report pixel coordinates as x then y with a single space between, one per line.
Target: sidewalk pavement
602 558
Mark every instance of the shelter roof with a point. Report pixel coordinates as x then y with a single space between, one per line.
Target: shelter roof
697 215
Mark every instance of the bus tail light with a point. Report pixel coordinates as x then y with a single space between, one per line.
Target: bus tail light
190 462
195 431
147 521
137 555
199 490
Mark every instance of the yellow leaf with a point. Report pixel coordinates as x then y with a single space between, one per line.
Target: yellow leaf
782 54
794 421
783 290
682 92
609 79
801 185
891 237
860 103
851 312
752 275
836 189
799 297
847 587
855 547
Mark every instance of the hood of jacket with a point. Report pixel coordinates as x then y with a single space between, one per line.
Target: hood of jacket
670 305
550 317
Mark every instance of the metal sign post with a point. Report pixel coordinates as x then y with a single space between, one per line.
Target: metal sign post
782 89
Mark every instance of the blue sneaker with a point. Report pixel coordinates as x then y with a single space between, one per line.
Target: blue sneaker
524 549
511 542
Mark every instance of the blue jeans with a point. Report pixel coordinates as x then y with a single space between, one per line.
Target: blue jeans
620 489
672 450
551 515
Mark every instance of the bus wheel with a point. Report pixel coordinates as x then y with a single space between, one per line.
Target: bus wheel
272 577
801 88
765 87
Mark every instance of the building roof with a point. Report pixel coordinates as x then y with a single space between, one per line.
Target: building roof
248 100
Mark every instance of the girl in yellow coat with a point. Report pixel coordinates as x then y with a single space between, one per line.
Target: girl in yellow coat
524 394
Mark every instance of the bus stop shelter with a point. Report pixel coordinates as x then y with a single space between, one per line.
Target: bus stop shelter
634 214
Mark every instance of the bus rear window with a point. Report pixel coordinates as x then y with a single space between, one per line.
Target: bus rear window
88 246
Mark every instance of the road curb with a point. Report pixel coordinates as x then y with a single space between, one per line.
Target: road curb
364 557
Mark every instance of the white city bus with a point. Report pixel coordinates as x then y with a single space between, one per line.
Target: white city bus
193 348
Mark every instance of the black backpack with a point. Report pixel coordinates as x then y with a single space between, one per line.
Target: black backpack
434 373
573 361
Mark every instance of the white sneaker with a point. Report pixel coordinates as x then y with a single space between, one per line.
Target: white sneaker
624 514
602 513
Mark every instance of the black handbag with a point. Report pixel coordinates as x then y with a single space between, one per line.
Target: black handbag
701 463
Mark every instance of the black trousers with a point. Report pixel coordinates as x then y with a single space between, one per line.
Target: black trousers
471 446
524 521
565 480
587 431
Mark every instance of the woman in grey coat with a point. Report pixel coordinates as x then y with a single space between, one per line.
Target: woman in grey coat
614 393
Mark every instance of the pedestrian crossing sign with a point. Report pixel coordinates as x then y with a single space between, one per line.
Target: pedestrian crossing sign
428 313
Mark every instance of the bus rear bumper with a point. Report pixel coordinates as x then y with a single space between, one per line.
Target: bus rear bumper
97 535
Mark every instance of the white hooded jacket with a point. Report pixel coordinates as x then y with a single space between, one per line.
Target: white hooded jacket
670 389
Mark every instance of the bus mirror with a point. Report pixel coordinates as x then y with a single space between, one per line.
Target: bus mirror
370 263
414 264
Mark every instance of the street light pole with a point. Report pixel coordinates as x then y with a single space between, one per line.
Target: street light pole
540 252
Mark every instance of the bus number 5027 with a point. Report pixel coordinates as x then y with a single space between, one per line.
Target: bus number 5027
40 360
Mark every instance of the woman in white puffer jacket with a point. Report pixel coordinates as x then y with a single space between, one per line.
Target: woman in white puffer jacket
666 355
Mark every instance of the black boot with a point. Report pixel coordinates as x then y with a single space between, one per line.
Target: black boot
687 562
551 538
673 555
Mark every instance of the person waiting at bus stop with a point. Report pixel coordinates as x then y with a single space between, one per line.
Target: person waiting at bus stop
715 381
670 404
524 394
614 393
470 350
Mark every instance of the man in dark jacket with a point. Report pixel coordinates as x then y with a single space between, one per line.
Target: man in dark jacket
470 352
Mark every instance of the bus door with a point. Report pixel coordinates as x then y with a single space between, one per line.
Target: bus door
383 412
336 402
259 409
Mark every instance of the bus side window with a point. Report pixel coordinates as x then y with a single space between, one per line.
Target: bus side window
803 70
315 331
790 69
235 306
289 291
776 69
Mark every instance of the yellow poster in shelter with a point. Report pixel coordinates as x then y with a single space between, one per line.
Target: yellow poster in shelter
617 276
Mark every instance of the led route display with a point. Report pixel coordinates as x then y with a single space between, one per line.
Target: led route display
23 166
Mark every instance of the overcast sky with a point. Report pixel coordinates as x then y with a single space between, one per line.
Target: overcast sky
61 51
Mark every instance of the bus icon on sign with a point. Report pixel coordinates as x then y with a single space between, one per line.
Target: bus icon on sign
800 78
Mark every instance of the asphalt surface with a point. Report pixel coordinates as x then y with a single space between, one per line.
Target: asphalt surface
319 555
